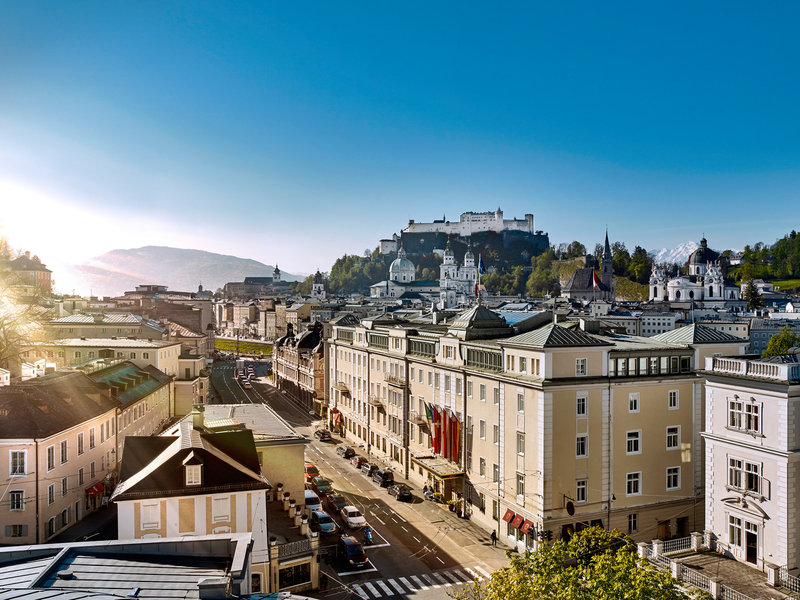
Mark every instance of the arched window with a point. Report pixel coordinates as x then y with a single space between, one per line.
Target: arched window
691 294
677 294
655 292
711 291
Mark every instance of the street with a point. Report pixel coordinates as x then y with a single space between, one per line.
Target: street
420 548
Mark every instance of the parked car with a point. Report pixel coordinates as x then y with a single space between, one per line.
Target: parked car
335 502
322 522
321 485
312 501
352 517
311 471
401 491
350 552
323 435
358 460
383 478
345 452
368 469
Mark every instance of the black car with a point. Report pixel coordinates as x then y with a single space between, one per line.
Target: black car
401 491
368 469
345 452
383 478
350 552
323 435
334 502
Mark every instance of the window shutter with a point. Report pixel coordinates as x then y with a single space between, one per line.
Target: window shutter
24 530
8 530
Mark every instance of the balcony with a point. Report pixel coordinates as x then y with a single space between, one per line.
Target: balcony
395 380
342 387
418 419
755 368
377 401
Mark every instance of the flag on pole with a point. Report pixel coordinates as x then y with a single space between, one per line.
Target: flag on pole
595 280
476 290
387 287
435 432
481 268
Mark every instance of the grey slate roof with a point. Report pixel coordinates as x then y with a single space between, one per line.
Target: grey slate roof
554 336
696 334
582 280
105 319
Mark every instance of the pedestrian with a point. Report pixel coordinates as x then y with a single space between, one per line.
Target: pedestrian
494 539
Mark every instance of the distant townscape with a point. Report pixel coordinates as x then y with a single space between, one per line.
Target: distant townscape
246 429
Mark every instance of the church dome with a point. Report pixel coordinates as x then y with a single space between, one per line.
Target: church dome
401 264
703 254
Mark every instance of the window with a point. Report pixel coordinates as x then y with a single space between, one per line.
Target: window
469 389
520 443
482 429
633 402
496 396
51 493
633 484
16 500
633 523
581 446
64 486
483 392
80 476
523 364
672 402
734 530
51 458
193 474
673 437
64 451
520 484
16 530
91 438
482 467
496 434
495 473
150 515
673 478
633 445
80 443
91 470
580 490
580 367
520 402
17 460
580 404
744 476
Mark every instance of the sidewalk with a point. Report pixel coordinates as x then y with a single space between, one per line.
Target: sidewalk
100 525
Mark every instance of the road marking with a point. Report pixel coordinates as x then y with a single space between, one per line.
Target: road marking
407 583
451 577
372 570
463 576
440 560
373 589
430 581
473 573
416 538
482 572
394 520
359 591
387 590
443 581
378 519
403 528
418 581
397 586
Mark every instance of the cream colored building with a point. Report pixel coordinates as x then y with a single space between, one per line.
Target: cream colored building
191 383
104 325
555 427
163 355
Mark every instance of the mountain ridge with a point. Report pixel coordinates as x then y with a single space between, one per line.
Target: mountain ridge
180 269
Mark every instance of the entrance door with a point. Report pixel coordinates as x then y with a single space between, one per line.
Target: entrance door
751 543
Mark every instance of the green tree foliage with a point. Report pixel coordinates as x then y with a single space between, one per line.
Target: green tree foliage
778 261
640 265
620 259
593 565
302 287
781 342
753 297
354 274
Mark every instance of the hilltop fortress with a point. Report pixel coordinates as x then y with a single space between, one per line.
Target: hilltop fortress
517 236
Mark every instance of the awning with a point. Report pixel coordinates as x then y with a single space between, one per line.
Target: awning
517 521
96 490
508 516
526 526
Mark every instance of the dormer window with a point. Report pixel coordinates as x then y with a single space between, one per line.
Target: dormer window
194 474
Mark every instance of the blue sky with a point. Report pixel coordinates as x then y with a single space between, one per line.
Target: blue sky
296 132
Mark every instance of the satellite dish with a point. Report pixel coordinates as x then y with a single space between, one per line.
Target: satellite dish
570 508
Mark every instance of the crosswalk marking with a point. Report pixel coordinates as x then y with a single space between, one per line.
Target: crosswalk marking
407 583
482 572
373 589
384 587
393 587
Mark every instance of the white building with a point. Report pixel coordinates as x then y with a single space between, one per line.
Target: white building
752 460
473 222
402 279
457 284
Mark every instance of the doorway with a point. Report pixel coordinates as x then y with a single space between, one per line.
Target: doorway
751 543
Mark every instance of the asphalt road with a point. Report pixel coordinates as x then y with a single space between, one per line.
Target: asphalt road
407 558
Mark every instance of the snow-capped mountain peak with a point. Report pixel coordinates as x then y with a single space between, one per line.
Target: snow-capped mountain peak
678 255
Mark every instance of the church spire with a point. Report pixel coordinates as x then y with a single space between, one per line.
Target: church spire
607 247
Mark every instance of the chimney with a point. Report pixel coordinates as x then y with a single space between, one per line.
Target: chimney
197 416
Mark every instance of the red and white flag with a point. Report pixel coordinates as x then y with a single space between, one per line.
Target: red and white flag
595 281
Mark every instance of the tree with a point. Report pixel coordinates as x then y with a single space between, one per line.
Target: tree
753 296
781 342
620 258
593 565
640 265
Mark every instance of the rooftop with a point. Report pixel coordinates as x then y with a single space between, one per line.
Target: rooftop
110 343
696 334
265 423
